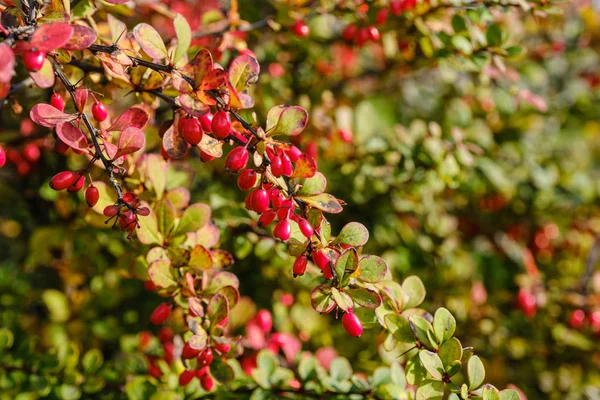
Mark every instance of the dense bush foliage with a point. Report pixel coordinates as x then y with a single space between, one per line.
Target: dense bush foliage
456 144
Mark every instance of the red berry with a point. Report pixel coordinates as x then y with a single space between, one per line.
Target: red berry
33 60
206 357
300 29
164 153
188 352
527 302
207 382
149 286
154 370
266 218
264 320
160 314
299 266
362 37
186 377
276 166
202 371
247 179
181 123
130 198
192 131
206 122
60 147
57 102
236 159
382 16
99 111
31 152
373 33
221 124
259 201
286 166
577 319
284 213
76 187
127 221
283 230
305 227
92 195
293 153
349 33
2 157
396 7
165 334
352 324
222 347
320 259
205 157
345 135
63 180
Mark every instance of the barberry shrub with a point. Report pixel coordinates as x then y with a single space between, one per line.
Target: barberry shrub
151 118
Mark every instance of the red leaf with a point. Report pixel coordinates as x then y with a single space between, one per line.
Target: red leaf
81 96
7 67
202 65
132 139
135 117
46 115
50 37
72 136
81 39
110 149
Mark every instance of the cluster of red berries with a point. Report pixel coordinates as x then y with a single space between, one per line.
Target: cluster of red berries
73 182
578 320
126 212
360 35
24 159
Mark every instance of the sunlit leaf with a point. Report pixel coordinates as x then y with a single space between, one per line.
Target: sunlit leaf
48 116
184 36
72 136
150 41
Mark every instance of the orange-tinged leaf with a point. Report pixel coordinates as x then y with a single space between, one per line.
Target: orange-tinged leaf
306 167
324 202
192 106
81 39
202 64
174 144
221 258
200 258
150 41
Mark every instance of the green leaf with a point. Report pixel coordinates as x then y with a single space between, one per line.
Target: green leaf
364 297
346 263
399 328
462 44
490 393
458 23
161 273
91 361
148 232
184 36
444 325
340 369
509 394
353 234
266 361
6 339
494 35
313 185
342 299
414 292
150 41
156 170
432 363
476 372
165 215
307 367
372 269
430 390
57 304
450 351
199 340
513 51
415 371
222 371
193 218
420 327
321 299
324 202
286 120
